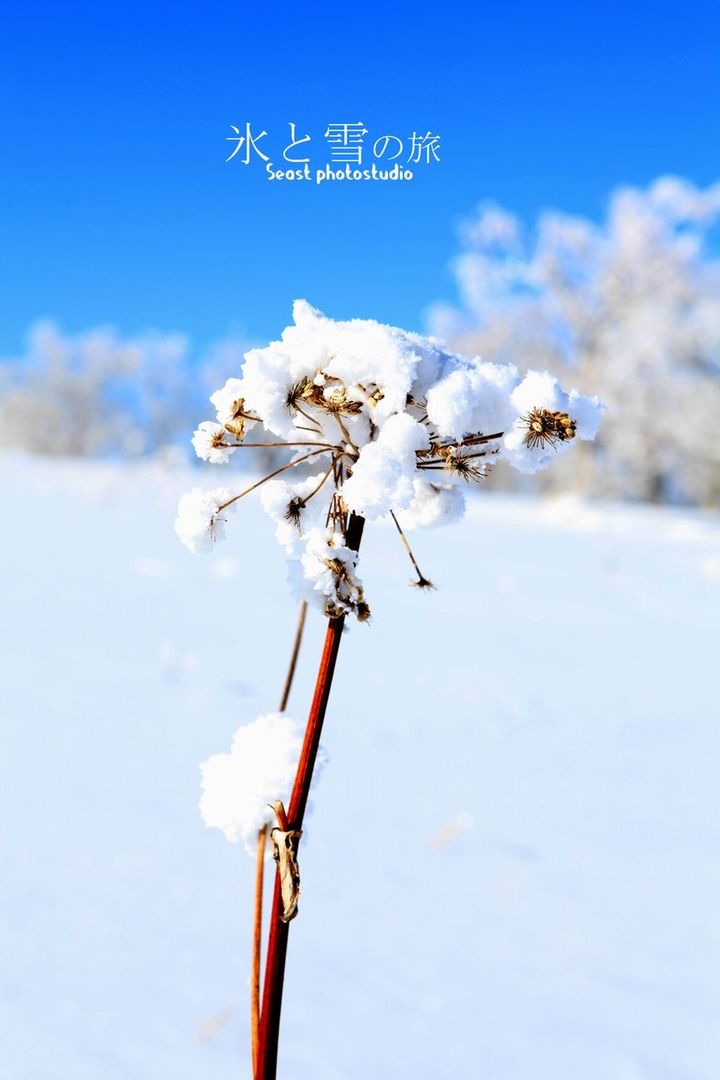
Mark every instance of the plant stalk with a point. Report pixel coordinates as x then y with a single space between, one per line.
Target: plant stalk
257 945
294 657
260 864
278 933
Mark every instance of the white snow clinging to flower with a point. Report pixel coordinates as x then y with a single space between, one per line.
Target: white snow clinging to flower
475 396
293 507
382 479
209 443
200 520
376 415
324 574
240 787
432 505
226 398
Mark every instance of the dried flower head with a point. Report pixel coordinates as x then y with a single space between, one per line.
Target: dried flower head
294 510
338 401
422 582
209 443
362 611
302 390
232 414
459 461
546 428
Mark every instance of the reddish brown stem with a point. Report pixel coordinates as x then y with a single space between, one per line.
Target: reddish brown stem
260 863
294 657
257 943
278 935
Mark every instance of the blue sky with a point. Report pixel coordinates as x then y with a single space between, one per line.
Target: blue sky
119 207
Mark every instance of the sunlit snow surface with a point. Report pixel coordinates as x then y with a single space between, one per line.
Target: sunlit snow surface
513 869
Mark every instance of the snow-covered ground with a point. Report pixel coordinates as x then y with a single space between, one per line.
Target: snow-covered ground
513 869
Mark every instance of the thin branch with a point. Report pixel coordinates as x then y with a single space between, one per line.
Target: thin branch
464 457
475 440
257 445
282 469
307 416
313 493
428 457
294 657
345 432
422 582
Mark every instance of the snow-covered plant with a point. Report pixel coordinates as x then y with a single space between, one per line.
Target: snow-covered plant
388 423
392 419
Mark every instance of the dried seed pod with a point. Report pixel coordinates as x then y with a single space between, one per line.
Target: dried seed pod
565 427
237 428
546 428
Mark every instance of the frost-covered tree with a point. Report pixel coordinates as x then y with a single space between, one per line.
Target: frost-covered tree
98 393
629 306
